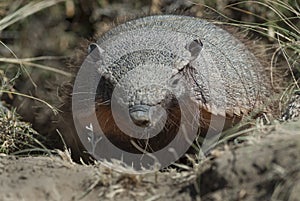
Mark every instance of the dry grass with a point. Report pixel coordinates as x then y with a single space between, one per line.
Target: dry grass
17 137
28 62
25 11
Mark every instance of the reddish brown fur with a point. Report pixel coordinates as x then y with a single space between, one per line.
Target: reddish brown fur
123 141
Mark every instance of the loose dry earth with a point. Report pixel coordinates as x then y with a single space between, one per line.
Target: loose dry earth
267 167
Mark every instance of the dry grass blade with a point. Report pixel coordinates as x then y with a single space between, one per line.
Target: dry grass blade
25 11
273 6
28 63
54 110
285 54
21 65
42 58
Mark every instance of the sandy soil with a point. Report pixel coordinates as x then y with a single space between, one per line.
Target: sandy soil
267 167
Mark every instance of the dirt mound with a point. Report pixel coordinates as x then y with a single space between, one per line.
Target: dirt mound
268 168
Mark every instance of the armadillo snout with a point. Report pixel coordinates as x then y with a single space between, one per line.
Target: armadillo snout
147 116
140 115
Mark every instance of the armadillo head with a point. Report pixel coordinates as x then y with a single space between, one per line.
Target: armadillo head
149 81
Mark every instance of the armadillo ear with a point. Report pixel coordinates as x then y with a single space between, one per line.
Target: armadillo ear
195 48
94 50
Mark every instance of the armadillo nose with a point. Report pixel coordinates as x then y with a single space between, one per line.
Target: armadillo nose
140 115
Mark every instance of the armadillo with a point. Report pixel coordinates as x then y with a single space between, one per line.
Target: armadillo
156 60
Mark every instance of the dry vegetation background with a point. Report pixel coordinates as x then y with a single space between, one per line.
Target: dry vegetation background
39 38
